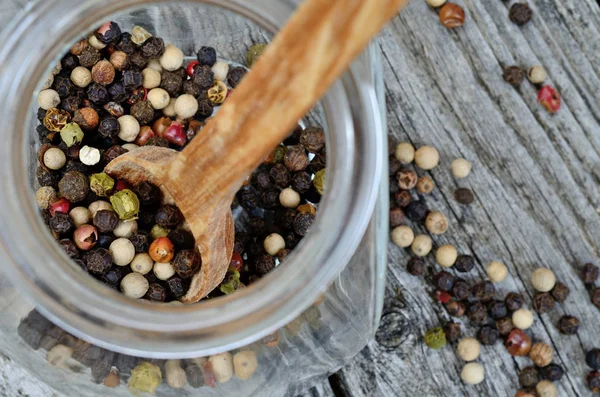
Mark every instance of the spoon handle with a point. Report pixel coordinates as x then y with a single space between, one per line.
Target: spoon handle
315 47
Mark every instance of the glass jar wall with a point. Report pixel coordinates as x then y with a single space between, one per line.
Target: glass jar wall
281 325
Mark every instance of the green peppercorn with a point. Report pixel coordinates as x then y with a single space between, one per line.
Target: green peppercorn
435 338
254 53
101 184
319 181
126 204
231 283
145 377
71 134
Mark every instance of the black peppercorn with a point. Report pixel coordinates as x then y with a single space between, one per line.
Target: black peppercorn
187 263
105 240
394 165
177 286
592 359
416 211
552 372
146 219
497 310
172 82
543 302
281 176
513 301
464 196
194 375
71 104
138 60
488 335
207 56
106 221
590 273
560 292
269 199
118 94
520 13
109 127
168 216
313 139
141 242
89 57
205 109
456 308
402 198
396 216
69 62
156 292
286 218
113 152
241 239
182 239
595 297
98 260
483 291
593 381
529 377
108 33
74 186
98 94
303 223
46 177
63 86
131 79
568 325
301 182
153 48
190 88
513 75
69 247
125 44
453 331
477 313
504 326
461 289
143 112
264 264
203 77
416 266
317 163
114 275
443 281
147 193
296 159
235 76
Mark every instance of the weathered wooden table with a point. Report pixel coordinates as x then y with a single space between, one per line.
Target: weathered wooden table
536 178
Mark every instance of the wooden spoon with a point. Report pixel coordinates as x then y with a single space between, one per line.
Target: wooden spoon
303 61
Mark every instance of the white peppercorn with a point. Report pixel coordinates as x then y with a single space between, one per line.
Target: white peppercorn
154 64
129 128
274 243
435 3
543 280
169 111
163 271
89 155
245 364
59 356
472 373
522 319
446 255
129 146
159 98
546 388
222 366
81 77
99 206
80 216
405 153
436 223
496 271
461 168
122 251
57 68
422 245
175 375
97 44
220 70
289 198
427 157
537 74
126 228
134 285
142 263
468 349
48 99
48 82
172 58
54 158
151 78
186 106
45 196
403 236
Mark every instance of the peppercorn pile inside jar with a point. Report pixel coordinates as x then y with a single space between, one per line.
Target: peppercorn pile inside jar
117 91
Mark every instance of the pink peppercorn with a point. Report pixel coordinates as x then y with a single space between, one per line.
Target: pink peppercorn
85 237
63 205
549 98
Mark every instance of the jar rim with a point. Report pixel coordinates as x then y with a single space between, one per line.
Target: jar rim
90 310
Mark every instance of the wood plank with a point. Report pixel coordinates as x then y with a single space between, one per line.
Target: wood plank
535 177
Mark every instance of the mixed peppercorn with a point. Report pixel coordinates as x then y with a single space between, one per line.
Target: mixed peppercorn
117 91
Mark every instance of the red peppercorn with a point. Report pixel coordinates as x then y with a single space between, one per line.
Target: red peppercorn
63 205
549 98
443 297
518 343
145 134
191 67
236 261
121 185
175 134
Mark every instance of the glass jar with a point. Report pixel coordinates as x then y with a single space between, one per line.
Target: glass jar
304 320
